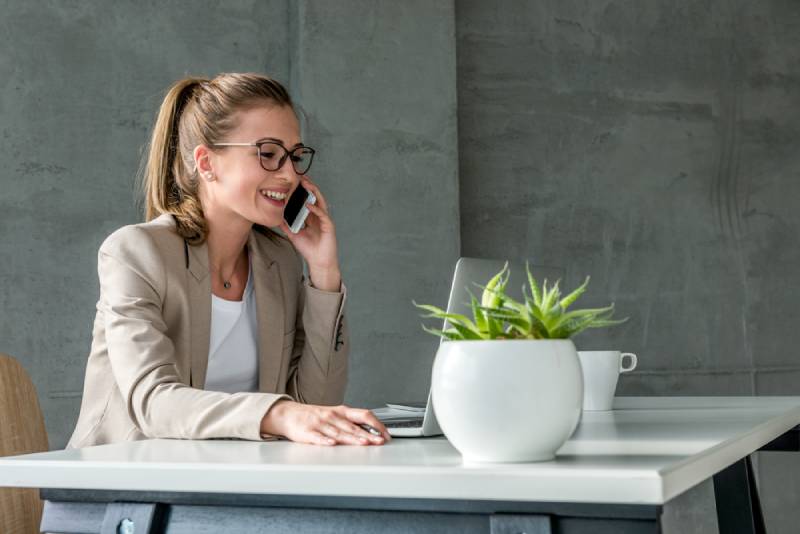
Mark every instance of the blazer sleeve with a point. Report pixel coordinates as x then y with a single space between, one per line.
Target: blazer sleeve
318 367
132 285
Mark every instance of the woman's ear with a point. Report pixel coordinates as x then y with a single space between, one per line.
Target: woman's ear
202 160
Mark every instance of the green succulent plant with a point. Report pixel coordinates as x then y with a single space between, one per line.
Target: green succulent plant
543 315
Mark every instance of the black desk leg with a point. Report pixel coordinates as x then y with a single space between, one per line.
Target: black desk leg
738 506
134 518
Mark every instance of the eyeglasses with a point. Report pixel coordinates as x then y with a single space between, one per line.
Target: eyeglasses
273 155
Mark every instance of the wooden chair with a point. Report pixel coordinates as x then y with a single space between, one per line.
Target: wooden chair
22 431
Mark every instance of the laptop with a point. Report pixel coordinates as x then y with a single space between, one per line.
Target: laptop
417 419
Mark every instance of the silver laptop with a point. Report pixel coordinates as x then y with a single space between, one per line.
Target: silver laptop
418 419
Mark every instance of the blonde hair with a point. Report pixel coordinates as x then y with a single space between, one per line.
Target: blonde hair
197 111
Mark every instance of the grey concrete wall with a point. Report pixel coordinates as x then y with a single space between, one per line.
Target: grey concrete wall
653 146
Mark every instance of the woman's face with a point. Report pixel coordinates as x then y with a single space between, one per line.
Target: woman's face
238 190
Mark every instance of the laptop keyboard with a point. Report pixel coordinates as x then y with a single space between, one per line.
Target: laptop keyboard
403 424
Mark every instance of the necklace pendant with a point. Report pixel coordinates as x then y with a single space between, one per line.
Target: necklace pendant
226 285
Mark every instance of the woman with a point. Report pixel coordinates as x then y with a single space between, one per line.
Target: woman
206 326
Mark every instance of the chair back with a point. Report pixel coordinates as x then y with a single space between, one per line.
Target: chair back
22 431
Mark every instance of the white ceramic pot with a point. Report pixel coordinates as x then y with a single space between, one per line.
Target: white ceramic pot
507 400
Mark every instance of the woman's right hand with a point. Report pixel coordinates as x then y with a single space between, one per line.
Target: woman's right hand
322 425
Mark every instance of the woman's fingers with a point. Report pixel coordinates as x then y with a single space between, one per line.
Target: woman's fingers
359 432
341 435
359 415
285 228
336 425
320 213
317 438
329 425
311 186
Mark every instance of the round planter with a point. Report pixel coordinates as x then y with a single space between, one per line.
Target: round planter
507 400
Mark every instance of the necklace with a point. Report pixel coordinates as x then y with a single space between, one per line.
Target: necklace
227 283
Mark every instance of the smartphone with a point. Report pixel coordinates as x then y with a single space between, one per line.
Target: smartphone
295 212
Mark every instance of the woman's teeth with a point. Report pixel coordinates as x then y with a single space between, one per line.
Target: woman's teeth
273 195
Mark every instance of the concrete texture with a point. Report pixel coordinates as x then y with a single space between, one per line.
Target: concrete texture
651 145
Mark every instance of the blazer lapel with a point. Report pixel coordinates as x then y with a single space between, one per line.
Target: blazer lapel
268 288
269 310
199 283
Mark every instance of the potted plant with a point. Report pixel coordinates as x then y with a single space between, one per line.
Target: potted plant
507 384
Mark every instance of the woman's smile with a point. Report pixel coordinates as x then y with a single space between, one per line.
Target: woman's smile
274 198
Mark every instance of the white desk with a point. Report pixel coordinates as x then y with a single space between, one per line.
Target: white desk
619 466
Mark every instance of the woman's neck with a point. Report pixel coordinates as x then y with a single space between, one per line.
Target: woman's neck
226 242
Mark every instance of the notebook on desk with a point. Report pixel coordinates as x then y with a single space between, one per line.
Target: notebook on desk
415 419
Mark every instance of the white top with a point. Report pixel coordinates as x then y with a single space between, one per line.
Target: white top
233 343
647 451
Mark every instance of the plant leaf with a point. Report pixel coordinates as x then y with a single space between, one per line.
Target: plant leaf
451 317
535 292
570 328
456 318
496 296
520 323
500 294
429 307
494 327
480 318
449 334
467 333
577 314
507 316
569 299
516 306
499 312
599 323
538 329
523 333
486 298
549 297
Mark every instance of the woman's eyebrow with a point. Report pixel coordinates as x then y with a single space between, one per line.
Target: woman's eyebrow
278 141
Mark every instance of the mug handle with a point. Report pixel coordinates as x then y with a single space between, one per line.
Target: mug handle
632 366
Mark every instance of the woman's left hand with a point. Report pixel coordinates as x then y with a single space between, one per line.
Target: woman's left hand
316 242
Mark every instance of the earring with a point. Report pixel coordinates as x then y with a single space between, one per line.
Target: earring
209 176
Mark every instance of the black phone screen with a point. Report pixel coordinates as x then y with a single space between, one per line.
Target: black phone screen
294 204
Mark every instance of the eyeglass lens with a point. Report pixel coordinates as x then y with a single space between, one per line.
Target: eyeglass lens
273 154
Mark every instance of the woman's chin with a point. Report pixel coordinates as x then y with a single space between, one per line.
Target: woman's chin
268 221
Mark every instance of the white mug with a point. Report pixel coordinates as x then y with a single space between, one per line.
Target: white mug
601 369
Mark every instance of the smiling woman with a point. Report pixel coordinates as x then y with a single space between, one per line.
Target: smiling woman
207 326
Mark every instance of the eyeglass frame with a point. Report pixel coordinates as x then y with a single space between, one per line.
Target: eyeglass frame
281 162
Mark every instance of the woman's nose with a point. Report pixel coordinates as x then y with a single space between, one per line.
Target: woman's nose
287 172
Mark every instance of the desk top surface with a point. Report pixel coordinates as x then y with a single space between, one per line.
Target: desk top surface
646 451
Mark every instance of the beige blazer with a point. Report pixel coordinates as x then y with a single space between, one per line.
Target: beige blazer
147 364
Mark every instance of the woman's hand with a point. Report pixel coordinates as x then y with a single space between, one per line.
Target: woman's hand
316 242
322 425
